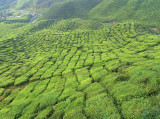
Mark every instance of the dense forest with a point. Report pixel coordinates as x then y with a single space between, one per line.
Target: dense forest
79 59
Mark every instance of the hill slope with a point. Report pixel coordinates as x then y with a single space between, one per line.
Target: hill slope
143 11
140 11
111 72
5 4
71 9
81 68
23 4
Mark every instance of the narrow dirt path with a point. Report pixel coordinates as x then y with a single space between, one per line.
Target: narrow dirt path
109 22
156 29
35 20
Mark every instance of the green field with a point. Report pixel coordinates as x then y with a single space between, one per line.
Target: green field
65 69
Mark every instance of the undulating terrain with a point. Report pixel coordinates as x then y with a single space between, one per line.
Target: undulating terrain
81 65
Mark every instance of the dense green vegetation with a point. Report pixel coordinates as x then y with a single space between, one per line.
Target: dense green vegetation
54 69
141 11
75 62
138 11
71 9
25 4
6 4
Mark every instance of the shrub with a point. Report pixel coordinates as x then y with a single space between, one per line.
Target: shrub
59 109
16 108
84 84
1 91
6 101
94 89
71 81
75 113
66 93
82 74
124 91
136 108
6 83
7 93
89 61
76 104
47 74
98 72
21 80
101 106
23 94
38 89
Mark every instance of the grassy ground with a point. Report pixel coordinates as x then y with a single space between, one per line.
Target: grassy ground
112 72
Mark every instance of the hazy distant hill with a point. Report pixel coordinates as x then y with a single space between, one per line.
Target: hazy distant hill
23 4
144 11
71 8
5 4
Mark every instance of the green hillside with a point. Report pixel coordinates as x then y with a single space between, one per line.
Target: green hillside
71 9
49 70
71 61
21 4
5 4
140 11
24 4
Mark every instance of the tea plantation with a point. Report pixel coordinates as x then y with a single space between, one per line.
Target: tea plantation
58 69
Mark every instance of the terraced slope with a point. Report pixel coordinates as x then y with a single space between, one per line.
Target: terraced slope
107 73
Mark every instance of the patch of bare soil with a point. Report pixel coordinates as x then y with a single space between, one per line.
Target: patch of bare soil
15 87
108 22
155 29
